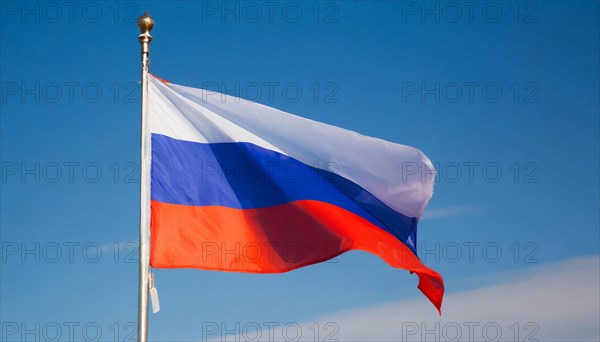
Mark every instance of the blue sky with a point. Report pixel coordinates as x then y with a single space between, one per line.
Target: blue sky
503 97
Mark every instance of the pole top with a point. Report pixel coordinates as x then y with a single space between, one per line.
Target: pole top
145 23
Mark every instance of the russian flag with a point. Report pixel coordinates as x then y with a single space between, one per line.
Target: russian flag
239 186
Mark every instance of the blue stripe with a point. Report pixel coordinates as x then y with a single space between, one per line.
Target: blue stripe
245 176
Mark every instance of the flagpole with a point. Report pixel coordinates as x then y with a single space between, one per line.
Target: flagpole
145 24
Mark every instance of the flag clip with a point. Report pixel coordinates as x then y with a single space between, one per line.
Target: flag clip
154 295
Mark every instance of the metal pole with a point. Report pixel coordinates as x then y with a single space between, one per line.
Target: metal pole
145 24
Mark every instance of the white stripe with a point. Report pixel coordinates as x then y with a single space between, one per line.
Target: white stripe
400 176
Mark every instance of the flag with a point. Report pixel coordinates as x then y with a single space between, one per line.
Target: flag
240 186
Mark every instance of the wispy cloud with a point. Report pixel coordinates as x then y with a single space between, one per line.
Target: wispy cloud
557 302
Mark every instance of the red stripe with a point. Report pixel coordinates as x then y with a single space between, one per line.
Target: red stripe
274 239
161 79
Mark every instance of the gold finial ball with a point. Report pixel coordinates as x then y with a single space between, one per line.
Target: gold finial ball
145 23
